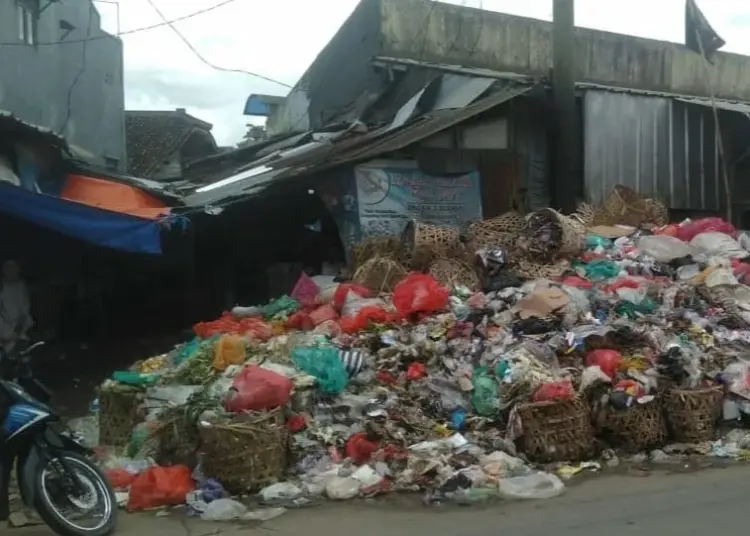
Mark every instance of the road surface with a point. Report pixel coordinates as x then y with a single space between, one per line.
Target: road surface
713 501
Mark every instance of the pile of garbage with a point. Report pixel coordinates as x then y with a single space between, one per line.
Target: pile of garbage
419 389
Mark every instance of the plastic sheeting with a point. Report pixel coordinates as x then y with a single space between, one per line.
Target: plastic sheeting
93 225
113 196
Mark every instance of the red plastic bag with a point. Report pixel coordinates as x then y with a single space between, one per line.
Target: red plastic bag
705 225
371 314
416 371
419 293
343 290
120 478
160 486
299 320
562 390
228 324
258 389
607 360
305 291
360 449
324 313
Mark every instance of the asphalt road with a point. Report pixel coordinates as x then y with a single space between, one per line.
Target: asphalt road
713 501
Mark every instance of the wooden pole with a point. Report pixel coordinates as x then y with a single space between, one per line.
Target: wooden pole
717 128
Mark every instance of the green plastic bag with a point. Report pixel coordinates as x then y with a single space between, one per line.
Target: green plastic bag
285 305
135 379
594 241
485 399
602 269
325 365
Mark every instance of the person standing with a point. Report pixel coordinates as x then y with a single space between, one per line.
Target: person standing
15 306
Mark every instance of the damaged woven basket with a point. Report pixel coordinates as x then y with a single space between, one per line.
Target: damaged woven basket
640 427
379 246
422 243
625 206
557 431
692 414
549 235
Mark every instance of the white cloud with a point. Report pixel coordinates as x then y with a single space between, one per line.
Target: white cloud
280 38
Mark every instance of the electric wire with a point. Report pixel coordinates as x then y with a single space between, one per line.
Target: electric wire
79 74
203 59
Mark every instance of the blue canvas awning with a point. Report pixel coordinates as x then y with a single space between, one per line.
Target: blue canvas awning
90 224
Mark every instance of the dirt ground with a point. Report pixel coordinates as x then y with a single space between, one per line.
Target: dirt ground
650 503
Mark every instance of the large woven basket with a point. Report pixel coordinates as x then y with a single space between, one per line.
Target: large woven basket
118 414
557 431
422 243
510 222
635 429
692 414
454 273
248 453
379 274
625 206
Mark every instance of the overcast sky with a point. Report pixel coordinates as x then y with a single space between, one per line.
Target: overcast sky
280 38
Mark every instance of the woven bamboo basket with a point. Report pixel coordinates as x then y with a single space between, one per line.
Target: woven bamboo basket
118 414
178 439
510 222
422 243
379 246
635 429
453 273
625 206
528 269
692 414
548 235
248 453
380 274
557 431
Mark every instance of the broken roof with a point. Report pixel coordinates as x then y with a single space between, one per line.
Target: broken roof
152 136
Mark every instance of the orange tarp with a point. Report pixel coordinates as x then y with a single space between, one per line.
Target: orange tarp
113 196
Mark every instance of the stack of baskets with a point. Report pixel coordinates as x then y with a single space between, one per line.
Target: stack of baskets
119 407
692 414
246 453
422 243
557 431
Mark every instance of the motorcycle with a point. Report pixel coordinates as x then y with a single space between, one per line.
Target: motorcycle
55 474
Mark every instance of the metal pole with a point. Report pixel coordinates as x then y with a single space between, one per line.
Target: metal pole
567 181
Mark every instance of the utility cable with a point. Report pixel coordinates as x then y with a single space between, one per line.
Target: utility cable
203 59
84 47
126 32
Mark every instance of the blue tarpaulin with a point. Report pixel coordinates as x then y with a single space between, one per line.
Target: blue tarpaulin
90 224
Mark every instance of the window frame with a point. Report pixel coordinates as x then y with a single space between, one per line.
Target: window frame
27 15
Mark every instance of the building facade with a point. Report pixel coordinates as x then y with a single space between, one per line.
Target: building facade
60 70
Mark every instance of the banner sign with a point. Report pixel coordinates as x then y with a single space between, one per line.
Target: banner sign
389 194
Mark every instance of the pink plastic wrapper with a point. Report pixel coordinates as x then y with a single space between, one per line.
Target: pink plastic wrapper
705 225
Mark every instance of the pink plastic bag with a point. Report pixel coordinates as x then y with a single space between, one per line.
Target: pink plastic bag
548 392
419 293
305 291
705 225
257 389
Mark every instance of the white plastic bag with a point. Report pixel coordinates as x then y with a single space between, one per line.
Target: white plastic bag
223 510
342 489
719 245
501 464
664 248
533 486
280 492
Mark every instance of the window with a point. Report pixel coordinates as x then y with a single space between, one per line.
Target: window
27 17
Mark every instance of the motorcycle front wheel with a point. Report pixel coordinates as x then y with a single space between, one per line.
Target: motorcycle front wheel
85 508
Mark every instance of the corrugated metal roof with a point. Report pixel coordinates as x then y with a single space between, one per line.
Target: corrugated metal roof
729 106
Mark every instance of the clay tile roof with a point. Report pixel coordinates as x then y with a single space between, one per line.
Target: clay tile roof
153 136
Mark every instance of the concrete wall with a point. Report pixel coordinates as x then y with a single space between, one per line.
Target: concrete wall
447 33
35 80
